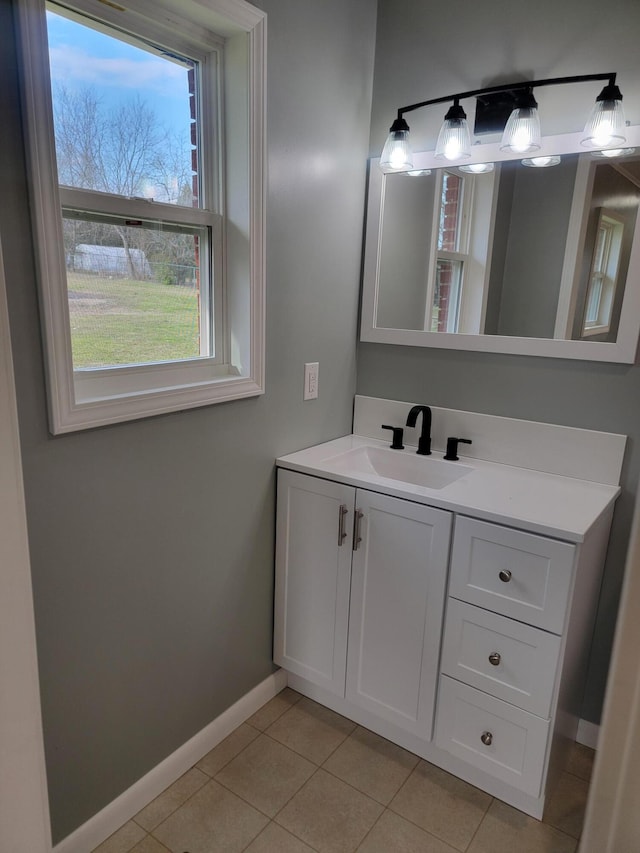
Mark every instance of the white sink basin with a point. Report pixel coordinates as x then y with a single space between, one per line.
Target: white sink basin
396 465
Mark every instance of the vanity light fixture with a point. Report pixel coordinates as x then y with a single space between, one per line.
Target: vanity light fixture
511 108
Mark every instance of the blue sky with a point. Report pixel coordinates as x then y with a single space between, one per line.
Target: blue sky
117 71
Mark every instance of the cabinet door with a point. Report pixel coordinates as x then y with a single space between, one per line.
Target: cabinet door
313 570
398 584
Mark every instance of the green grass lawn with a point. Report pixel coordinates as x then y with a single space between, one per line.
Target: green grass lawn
121 321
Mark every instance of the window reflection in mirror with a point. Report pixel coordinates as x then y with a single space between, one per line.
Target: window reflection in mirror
603 277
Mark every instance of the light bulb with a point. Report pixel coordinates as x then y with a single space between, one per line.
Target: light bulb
606 123
454 139
396 154
603 132
522 132
452 149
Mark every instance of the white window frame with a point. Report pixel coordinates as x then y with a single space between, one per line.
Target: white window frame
603 275
85 398
476 221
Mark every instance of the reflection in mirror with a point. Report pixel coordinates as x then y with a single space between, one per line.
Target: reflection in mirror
520 252
610 223
435 243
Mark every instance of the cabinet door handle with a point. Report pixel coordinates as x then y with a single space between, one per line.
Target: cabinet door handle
357 539
505 575
494 659
342 533
486 738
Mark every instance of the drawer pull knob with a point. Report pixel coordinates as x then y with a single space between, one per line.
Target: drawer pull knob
486 738
505 576
494 659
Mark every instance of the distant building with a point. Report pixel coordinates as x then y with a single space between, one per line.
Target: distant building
109 260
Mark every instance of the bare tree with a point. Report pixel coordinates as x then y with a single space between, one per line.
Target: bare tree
79 133
123 150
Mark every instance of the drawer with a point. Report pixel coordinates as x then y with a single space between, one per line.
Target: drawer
506 742
505 658
517 574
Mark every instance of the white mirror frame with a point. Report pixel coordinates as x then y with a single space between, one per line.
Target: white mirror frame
623 351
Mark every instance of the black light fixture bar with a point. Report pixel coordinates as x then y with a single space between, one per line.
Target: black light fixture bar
509 87
512 109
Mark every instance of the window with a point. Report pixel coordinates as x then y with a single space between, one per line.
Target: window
604 274
458 274
149 216
451 253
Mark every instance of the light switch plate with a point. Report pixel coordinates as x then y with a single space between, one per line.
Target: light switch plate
311 380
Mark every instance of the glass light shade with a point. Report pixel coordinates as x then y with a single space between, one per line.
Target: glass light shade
541 162
396 155
478 168
614 152
454 140
416 173
522 132
606 125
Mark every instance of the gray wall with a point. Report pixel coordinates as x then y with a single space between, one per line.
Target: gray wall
152 541
404 250
429 50
535 248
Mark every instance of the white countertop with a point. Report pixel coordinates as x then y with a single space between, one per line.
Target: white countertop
562 507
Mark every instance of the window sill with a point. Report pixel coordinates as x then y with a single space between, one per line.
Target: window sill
88 409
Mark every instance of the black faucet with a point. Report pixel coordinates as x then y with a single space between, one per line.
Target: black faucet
424 442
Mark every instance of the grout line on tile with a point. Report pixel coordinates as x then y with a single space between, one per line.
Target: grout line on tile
287 708
272 818
391 809
220 769
300 754
477 830
165 819
576 776
371 828
344 739
206 782
340 779
353 787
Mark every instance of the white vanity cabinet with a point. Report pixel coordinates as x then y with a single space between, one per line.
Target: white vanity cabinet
360 584
448 606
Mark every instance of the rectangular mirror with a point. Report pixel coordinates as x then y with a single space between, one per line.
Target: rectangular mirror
535 261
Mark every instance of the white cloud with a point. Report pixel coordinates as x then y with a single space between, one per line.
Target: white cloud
72 65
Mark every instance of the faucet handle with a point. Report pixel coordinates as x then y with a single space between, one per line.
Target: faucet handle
398 433
452 447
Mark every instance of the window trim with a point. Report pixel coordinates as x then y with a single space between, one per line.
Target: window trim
189 388
473 239
613 225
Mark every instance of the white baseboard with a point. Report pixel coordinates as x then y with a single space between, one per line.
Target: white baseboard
129 803
588 734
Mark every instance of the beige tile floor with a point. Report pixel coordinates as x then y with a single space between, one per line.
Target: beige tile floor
298 778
